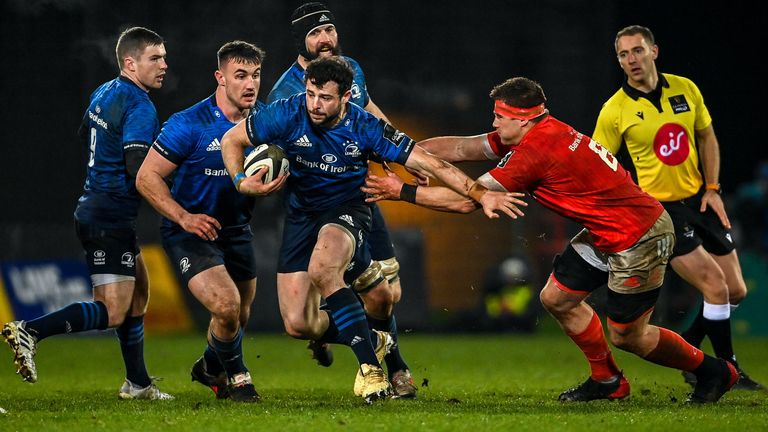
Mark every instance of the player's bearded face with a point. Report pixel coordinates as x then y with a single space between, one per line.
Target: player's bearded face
241 81
324 105
323 42
150 67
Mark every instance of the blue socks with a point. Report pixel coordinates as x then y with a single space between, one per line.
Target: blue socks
74 318
352 325
131 336
230 353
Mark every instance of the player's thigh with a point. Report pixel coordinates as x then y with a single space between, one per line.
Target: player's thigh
579 270
117 297
215 290
700 270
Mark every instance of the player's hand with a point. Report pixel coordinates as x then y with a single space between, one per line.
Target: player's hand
201 225
255 186
713 200
506 202
382 188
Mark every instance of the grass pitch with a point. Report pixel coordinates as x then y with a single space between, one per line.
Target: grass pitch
467 382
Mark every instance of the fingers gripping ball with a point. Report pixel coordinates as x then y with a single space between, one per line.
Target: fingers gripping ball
269 155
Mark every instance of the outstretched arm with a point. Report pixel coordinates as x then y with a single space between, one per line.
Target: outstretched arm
233 145
457 148
463 187
392 187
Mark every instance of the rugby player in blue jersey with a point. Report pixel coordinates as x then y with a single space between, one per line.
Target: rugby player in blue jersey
324 250
120 124
314 31
206 230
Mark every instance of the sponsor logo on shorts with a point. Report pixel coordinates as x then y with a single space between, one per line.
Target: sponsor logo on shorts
347 219
184 264
728 236
99 257
127 259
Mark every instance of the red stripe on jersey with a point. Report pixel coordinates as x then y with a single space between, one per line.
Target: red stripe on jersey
579 179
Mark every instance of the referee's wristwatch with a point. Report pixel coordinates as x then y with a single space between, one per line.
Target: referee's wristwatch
714 187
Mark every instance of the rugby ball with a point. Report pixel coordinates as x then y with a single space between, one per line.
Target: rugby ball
269 155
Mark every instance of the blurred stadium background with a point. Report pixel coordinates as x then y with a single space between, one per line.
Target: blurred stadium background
429 66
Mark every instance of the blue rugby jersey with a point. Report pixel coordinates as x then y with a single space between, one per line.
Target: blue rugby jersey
120 116
328 165
191 139
292 82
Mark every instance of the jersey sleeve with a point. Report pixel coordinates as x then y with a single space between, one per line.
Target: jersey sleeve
139 126
493 149
607 129
387 142
359 79
175 141
703 118
272 122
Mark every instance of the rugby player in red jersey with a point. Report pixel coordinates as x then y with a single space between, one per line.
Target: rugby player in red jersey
626 241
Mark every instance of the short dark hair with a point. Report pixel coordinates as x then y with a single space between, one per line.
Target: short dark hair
133 41
240 52
321 70
519 92
633 30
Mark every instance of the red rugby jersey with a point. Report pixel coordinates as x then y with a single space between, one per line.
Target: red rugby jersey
577 178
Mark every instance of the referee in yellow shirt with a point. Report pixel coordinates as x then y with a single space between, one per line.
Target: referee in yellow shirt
658 126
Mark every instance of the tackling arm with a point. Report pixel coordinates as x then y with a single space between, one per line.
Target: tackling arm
456 148
459 182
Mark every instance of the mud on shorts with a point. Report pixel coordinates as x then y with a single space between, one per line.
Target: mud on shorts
694 228
190 254
633 276
301 230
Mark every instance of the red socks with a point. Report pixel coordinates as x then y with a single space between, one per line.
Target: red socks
592 342
673 351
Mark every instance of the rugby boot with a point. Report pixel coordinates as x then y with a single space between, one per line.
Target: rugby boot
711 387
241 389
618 388
217 383
402 385
24 348
130 391
321 352
381 350
375 385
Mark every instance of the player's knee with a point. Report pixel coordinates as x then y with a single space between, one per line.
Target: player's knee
227 311
379 301
323 275
552 301
737 292
296 326
624 339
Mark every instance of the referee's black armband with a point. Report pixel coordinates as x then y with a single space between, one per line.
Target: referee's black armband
408 193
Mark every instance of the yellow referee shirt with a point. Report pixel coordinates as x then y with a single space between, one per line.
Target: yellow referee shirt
658 130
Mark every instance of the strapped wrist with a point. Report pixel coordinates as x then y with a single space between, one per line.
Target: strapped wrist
408 193
476 191
237 179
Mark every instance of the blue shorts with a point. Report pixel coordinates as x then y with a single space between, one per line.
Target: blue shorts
191 255
300 235
109 250
379 240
